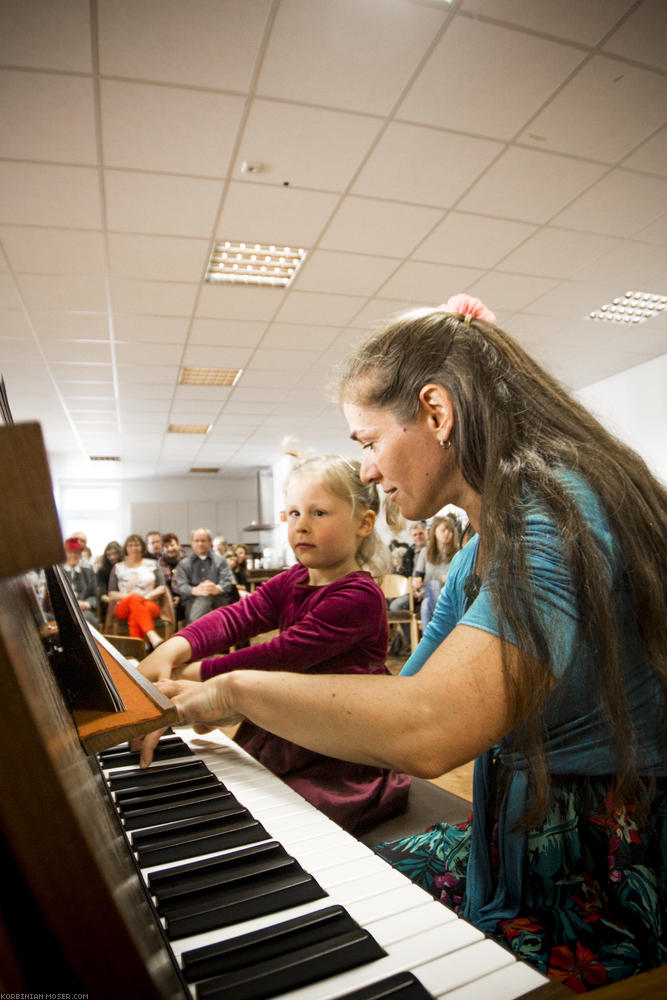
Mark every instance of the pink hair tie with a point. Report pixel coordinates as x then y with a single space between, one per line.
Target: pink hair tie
469 308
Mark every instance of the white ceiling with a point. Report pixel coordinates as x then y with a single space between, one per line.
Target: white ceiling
514 149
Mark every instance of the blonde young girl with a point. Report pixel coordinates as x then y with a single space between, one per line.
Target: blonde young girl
332 620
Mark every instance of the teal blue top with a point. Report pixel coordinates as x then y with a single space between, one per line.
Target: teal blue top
578 740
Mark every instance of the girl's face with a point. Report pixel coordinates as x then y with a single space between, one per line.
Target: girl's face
232 561
113 556
240 554
322 529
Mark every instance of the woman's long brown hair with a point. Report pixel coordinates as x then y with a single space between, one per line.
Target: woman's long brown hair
516 429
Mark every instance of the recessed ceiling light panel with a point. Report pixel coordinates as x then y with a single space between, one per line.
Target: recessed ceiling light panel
203 469
254 264
633 307
189 428
104 458
210 376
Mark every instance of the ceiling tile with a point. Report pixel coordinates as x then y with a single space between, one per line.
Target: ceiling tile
221 332
620 204
384 228
292 144
53 251
520 70
37 194
267 359
235 302
19 349
572 20
631 264
207 44
51 36
291 337
510 291
193 394
146 354
317 307
67 291
529 185
217 357
428 284
348 54
574 299
602 112
471 240
69 325
557 253
651 155
80 372
14 323
424 165
161 204
151 329
78 350
260 380
380 311
9 296
47 117
260 213
168 128
163 258
642 36
168 298
347 273
656 232
154 380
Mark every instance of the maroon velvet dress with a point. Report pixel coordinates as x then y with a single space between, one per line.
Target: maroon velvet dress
340 628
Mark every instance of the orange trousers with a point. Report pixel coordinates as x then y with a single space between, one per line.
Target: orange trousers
138 613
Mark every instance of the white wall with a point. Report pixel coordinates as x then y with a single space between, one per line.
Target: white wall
633 406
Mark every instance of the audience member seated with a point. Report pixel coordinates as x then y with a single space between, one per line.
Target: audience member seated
153 545
203 579
241 571
112 554
82 579
135 585
86 558
220 545
171 555
433 563
233 563
401 640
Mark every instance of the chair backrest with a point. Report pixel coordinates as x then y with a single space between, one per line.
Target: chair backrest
394 585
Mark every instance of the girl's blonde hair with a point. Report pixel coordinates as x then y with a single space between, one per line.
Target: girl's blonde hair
341 477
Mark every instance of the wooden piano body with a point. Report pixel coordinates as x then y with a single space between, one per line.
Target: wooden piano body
74 915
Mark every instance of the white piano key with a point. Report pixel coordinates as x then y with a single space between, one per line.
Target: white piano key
464 966
387 904
390 930
505 984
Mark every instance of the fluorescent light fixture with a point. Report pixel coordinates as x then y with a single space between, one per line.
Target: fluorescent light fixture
210 376
202 469
189 428
104 458
633 307
254 264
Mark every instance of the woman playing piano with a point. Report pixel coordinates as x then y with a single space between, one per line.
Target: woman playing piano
332 620
545 661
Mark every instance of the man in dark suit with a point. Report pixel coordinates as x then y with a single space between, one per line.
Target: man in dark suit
203 579
82 579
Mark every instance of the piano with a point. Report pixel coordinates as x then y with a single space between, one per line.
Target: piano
201 877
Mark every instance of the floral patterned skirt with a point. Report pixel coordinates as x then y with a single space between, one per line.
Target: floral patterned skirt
595 885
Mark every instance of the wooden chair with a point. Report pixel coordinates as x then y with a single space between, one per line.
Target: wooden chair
165 625
394 585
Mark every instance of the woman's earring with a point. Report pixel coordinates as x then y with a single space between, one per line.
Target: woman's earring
446 444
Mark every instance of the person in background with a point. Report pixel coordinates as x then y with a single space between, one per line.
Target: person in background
82 579
433 562
545 660
86 560
112 554
220 545
332 620
417 532
169 558
203 579
233 563
153 545
241 571
134 583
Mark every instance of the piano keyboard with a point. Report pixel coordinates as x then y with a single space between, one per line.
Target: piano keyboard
260 895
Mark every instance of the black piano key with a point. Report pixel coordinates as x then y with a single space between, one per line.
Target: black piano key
255 898
214 834
156 776
200 874
262 945
196 805
130 758
298 968
139 797
188 892
401 986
